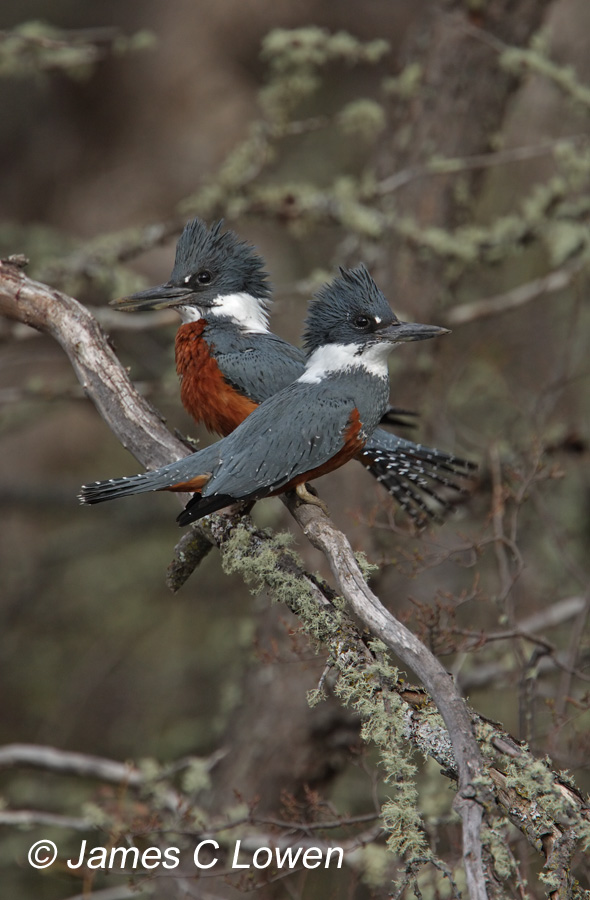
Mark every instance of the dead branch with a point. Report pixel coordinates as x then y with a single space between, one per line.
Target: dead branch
28 818
460 164
517 297
82 765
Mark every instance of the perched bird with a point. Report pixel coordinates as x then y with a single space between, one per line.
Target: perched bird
309 428
228 361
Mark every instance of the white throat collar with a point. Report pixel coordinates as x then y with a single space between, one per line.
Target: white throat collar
333 358
243 309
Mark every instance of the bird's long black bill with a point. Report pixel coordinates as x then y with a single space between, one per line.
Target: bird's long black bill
160 297
411 331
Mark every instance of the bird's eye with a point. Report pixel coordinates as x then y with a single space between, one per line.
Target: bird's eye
362 322
203 277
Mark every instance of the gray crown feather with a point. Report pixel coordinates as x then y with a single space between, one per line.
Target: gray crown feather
336 304
229 258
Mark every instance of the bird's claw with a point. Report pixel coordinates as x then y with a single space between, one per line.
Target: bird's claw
305 494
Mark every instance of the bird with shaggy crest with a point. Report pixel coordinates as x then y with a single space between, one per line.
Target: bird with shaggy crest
229 361
309 428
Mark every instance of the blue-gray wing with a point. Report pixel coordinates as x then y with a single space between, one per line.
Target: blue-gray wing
256 364
292 433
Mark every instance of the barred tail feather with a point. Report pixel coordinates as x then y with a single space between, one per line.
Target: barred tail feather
411 501
158 480
99 491
386 443
441 461
411 473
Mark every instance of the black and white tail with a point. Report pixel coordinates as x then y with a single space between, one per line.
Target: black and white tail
99 491
159 480
413 474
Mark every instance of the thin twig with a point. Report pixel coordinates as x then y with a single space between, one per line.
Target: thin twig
459 164
517 297
27 818
82 765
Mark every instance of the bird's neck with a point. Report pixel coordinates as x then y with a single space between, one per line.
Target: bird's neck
333 359
241 309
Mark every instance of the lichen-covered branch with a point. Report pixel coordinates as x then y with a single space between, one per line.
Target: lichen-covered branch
34 47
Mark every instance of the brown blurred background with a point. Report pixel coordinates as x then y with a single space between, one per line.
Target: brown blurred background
96 655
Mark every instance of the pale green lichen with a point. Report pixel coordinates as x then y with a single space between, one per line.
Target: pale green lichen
97 262
35 47
271 563
245 160
155 786
548 804
471 244
150 768
281 97
97 816
534 780
141 40
360 219
315 697
267 563
311 47
383 725
196 777
573 161
563 239
495 841
373 862
406 84
362 118
294 58
535 59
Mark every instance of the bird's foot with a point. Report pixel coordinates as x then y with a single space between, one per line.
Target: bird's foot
307 495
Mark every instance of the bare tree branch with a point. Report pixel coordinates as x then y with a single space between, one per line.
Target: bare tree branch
82 765
458 164
518 296
27 818
101 375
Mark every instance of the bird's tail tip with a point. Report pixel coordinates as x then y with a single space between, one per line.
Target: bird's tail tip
99 491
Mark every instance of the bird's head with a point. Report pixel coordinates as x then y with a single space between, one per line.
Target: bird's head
215 274
351 313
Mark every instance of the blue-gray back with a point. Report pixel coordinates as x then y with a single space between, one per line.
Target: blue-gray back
258 364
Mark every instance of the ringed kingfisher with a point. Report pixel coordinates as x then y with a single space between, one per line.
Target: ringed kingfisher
310 427
229 361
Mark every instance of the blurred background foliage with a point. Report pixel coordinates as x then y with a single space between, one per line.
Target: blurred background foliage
447 147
